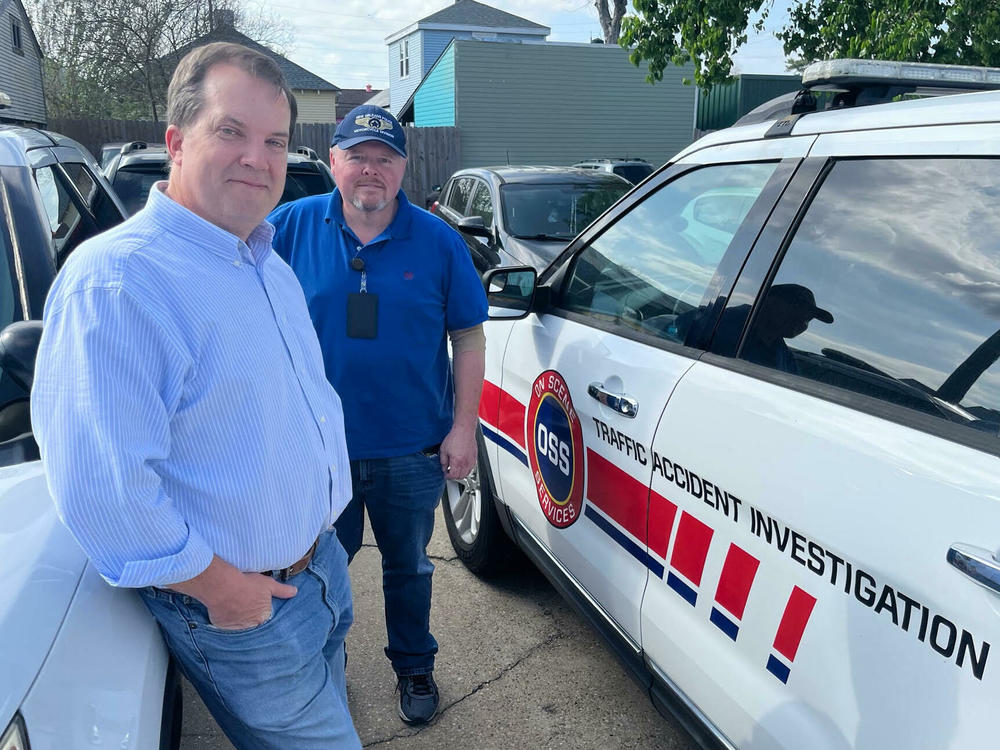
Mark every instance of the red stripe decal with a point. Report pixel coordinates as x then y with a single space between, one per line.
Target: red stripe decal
793 623
489 402
691 548
738 573
619 495
511 418
661 522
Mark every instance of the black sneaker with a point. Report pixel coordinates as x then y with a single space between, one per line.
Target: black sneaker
418 698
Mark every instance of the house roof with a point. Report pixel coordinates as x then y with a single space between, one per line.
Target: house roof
351 98
471 13
296 76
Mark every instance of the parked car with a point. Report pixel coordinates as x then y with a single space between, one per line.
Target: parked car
633 170
770 476
516 215
84 664
138 166
108 152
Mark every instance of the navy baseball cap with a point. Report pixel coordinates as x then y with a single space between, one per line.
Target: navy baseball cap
370 123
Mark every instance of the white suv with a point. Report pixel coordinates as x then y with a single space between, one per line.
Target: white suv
770 475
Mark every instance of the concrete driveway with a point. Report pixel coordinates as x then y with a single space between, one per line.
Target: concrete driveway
517 668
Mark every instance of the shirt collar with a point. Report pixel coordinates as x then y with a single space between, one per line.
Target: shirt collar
175 219
399 227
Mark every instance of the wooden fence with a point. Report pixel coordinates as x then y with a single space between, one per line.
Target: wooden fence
434 153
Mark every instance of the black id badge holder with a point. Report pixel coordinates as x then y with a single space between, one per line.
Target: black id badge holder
362 315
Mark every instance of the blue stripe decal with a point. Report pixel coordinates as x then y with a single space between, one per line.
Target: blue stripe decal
723 623
778 669
504 443
631 547
688 593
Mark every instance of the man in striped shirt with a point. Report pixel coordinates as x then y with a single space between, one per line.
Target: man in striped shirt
191 440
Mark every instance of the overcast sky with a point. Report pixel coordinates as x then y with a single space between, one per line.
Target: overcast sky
343 41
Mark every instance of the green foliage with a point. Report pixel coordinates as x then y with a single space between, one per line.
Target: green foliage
709 32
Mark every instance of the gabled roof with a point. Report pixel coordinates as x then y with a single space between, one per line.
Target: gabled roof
471 13
351 98
296 76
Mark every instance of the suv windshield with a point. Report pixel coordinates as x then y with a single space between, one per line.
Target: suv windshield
555 211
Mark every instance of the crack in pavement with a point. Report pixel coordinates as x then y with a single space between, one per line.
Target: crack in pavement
553 638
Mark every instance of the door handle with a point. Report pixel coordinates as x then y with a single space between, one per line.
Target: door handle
624 405
977 563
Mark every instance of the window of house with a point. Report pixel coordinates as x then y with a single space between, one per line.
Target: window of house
15 35
889 288
404 58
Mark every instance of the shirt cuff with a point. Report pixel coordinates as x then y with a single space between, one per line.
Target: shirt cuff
186 563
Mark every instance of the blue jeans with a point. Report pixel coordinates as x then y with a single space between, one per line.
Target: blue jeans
400 494
280 684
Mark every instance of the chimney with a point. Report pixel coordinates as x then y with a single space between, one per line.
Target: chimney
368 88
223 18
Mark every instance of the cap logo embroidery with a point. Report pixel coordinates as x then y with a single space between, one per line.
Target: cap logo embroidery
372 122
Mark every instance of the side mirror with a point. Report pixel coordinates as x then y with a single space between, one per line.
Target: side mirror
18 348
510 291
473 225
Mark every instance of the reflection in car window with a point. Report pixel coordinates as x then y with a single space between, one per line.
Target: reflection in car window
458 197
482 205
555 210
64 217
650 270
901 261
101 207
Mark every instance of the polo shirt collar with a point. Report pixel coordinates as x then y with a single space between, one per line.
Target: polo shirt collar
173 218
399 228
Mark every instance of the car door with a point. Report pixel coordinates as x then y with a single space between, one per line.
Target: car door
819 468
485 250
584 382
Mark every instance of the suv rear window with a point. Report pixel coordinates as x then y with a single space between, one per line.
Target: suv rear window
634 173
891 288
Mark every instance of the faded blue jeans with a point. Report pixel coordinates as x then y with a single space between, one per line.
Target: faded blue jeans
280 684
400 494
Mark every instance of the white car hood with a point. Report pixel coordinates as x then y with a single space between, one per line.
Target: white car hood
40 567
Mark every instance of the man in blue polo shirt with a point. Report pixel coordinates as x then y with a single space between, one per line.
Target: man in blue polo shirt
387 285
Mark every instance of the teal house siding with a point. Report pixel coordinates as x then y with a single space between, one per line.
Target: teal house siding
434 101
552 103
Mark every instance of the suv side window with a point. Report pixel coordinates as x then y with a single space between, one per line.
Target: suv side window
458 196
482 203
650 270
70 221
890 288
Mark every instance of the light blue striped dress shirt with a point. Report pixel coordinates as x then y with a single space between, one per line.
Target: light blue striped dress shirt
181 405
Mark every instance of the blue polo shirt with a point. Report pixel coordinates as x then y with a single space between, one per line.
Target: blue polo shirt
396 388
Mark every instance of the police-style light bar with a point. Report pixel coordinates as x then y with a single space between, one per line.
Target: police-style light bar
856 74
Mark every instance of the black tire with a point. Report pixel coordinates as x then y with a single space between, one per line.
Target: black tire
470 515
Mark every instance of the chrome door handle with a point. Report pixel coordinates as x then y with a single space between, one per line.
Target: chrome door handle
977 563
621 403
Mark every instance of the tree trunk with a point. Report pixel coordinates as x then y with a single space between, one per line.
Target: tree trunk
611 21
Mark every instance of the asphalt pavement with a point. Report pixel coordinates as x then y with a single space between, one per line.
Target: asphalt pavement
517 668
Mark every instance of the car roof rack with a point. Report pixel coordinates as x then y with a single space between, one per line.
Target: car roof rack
131 146
308 152
857 83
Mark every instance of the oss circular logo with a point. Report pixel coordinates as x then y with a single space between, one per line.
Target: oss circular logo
555 449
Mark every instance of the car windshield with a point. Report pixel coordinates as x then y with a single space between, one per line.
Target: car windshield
555 211
133 186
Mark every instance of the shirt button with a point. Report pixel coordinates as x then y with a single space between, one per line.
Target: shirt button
358 248
237 263
322 420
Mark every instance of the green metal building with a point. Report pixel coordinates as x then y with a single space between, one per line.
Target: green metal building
726 103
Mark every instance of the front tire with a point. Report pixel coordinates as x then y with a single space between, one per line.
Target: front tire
470 515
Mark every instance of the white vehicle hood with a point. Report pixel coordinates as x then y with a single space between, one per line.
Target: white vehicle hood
40 567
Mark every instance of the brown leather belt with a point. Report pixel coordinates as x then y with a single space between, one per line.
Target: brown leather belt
295 568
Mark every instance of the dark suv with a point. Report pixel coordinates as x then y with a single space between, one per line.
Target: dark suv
511 215
55 610
138 165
